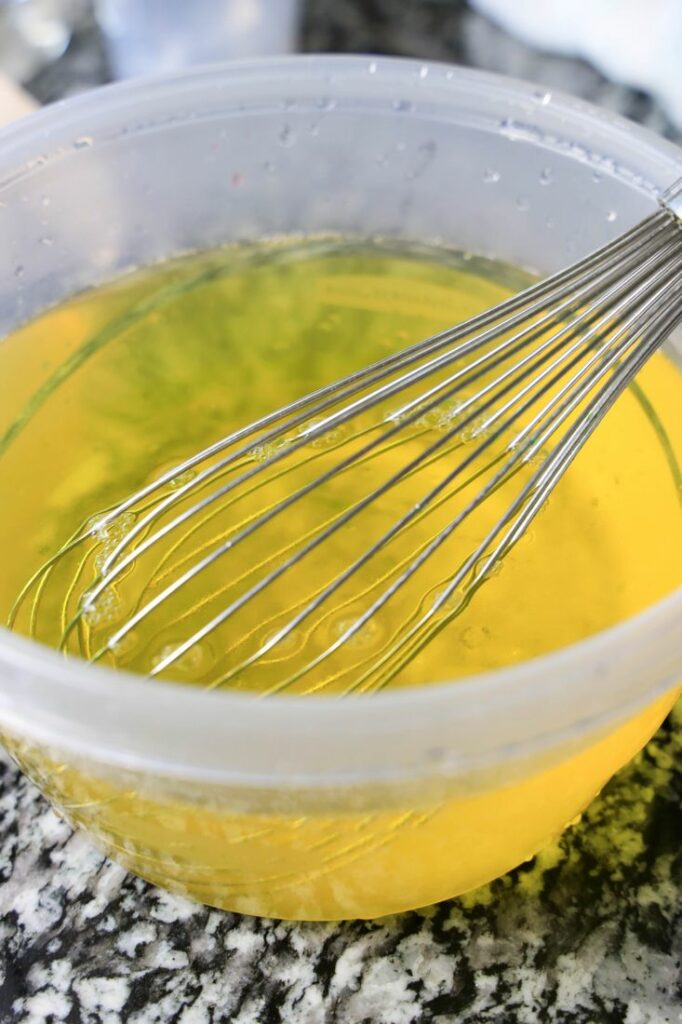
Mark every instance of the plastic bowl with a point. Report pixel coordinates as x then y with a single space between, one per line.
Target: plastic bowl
303 807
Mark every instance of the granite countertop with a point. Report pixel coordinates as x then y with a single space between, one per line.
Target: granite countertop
589 932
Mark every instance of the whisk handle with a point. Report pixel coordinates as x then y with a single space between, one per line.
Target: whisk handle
671 199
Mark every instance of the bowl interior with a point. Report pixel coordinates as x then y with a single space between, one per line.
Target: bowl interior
141 172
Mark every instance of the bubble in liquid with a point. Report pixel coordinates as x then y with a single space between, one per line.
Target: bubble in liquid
442 416
285 647
197 658
494 569
119 526
104 529
183 478
125 645
477 430
329 438
430 420
261 452
267 450
473 637
453 602
102 610
538 458
368 635
102 556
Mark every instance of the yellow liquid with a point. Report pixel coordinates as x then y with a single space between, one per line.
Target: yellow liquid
103 394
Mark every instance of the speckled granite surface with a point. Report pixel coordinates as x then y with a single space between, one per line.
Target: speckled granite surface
588 933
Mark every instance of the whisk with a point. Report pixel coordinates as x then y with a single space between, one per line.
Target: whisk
514 394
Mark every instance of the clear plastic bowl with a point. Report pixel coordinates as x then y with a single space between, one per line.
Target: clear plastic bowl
304 807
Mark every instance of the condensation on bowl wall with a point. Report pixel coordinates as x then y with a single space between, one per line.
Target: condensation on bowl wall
307 808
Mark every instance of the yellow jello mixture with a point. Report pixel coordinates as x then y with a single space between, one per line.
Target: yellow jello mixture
101 395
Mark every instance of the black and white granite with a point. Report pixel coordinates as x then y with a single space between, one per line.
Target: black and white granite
590 932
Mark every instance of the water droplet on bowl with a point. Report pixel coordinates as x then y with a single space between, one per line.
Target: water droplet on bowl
19 270
372 67
269 167
423 71
287 136
611 216
491 176
542 96
402 106
522 203
83 142
47 240
546 176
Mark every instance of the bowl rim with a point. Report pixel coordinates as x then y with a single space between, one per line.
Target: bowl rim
427 729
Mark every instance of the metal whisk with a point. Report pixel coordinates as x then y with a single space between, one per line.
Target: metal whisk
514 392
